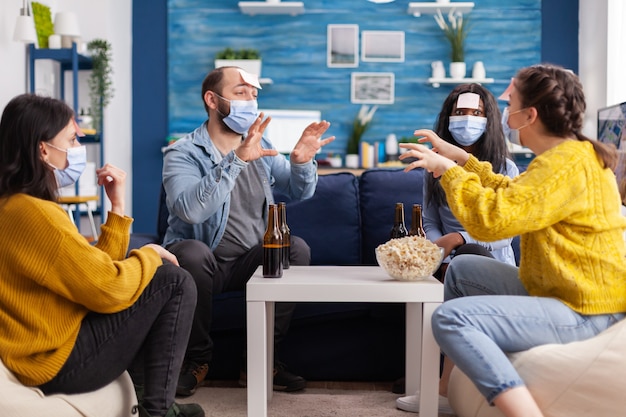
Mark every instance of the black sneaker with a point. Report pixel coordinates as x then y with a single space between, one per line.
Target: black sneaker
283 379
176 410
191 375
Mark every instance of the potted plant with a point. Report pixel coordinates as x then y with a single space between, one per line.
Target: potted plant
455 31
359 126
100 82
247 59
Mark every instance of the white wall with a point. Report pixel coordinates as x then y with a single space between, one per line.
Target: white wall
110 20
602 38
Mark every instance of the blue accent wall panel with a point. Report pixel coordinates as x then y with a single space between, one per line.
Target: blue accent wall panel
505 35
174 43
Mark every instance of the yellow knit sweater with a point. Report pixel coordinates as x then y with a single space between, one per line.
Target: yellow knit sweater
566 208
51 277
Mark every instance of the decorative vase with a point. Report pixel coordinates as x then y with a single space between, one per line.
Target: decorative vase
352 160
438 70
457 70
479 71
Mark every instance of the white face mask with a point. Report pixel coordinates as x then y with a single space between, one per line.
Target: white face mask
77 161
242 114
511 134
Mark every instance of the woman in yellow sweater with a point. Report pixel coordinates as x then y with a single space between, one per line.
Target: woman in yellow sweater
74 316
570 283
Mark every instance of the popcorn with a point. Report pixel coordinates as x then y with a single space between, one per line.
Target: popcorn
409 258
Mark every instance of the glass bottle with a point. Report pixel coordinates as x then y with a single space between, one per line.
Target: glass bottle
399 229
285 232
272 246
417 228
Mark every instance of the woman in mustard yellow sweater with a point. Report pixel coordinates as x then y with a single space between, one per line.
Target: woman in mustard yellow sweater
74 316
571 283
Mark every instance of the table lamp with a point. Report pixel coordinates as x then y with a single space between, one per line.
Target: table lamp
66 25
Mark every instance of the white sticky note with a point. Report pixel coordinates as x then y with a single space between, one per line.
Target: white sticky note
468 101
251 79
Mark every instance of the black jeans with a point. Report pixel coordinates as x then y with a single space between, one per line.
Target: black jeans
149 338
213 277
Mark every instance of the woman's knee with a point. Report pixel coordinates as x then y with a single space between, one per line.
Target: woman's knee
168 274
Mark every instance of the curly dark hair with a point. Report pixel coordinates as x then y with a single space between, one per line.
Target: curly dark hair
490 147
27 120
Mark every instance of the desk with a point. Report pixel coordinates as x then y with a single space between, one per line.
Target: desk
71 201
342 284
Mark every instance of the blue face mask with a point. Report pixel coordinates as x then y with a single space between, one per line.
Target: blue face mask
242 114
466 130
77 161
511 134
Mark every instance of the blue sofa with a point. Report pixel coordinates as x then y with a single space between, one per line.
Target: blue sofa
343 222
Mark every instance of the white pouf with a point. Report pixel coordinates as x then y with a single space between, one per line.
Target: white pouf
114 400
579 379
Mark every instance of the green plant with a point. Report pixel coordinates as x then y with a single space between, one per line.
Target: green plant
455 32
43 23
246 53
359 126
100 82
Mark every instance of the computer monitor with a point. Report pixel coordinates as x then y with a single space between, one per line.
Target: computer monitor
612 129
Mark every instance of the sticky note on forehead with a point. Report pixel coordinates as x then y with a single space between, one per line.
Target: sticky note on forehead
79 131
468 101
506 95
248 78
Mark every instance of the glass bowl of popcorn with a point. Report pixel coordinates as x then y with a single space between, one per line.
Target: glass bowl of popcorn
410 258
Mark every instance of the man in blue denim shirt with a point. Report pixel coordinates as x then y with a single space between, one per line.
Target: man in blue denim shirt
218 180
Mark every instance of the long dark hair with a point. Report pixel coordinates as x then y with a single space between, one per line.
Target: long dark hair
28 120
558 96
490 146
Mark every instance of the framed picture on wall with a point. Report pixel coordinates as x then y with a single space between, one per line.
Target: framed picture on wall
382 46
372 87
342 48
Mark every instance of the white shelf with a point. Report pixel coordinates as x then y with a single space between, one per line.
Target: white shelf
266 81
431 7
271 7
437 81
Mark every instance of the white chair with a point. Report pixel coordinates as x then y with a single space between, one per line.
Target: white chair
114 400
578 379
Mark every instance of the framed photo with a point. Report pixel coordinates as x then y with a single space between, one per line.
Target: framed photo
382 46
372 87
342 49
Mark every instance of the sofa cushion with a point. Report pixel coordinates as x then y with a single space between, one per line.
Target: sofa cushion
584 378
329 221
380 189
17 400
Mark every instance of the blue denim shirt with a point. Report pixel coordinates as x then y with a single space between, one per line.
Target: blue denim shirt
198 182
439 221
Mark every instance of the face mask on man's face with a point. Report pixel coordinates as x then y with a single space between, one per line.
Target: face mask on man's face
466 130
242 114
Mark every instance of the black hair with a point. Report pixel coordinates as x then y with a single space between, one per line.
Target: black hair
490 147
27 120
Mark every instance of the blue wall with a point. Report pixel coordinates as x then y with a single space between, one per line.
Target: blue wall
168 70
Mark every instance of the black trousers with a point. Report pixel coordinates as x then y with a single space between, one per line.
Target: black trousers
213 277
148 339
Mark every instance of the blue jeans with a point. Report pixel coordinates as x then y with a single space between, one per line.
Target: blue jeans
488 313
149 339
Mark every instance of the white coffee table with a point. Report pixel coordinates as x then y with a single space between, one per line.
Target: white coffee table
343 284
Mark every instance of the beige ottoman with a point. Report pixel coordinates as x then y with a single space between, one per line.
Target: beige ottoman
579 379
16 400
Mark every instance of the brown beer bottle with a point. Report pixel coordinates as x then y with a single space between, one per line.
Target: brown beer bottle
272 246
285 232
417 228
399 229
